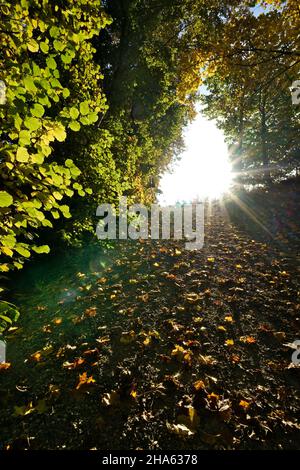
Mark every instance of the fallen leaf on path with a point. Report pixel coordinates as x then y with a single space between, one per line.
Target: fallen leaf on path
84 380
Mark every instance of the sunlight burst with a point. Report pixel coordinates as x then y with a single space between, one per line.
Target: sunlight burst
204 170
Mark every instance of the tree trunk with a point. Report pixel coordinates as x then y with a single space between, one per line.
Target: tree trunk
264 139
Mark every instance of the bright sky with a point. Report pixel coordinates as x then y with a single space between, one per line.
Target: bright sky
204 169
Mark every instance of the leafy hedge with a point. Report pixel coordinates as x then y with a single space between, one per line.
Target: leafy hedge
51 88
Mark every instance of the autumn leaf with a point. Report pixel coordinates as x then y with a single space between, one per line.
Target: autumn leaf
229 343
90 352
207 360
5 365
73 365
191 419
144 297
91 312
235 358
213 397
84 380
133 393
103 340
24 410
247 339
37 356
192 297
199 385
180 429
221 328
279 335
229 319
244 404
181 354
111 399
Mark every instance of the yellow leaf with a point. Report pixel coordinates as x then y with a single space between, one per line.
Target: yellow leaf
24 410
91 312
36 356
248 339
244 404
84 380
7 251
199 385
221 328
229 319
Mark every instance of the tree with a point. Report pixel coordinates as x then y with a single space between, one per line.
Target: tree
52 89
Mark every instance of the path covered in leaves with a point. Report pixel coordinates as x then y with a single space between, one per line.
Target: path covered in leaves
159 348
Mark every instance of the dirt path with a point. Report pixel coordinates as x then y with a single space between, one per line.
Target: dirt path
165 349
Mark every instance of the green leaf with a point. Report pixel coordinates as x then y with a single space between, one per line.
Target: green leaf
54 31
37 158
58 45
22 155
65 211
7 251
6 319
24 138
9 241
47 223
41 249
92 117
55 214
75 126
44 47
38 110
6 199
59 132
32 123
66 58
74 113
29 84
32 45
84 108
51 63
69 163
57 195
66 93
22 251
